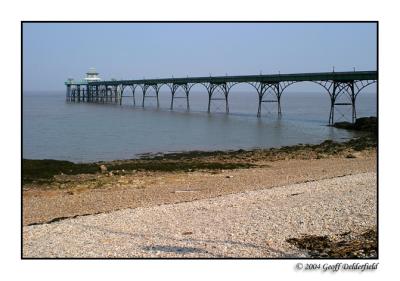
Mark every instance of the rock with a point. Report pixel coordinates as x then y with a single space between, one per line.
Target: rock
103 168
344 125
110 174
367 124
229 177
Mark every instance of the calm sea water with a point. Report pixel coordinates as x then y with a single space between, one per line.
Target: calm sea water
54 129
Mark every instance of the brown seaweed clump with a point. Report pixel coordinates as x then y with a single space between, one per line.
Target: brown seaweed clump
343 245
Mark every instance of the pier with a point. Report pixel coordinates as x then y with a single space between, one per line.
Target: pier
268 87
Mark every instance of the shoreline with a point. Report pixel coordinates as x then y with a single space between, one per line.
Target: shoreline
81 194
46 171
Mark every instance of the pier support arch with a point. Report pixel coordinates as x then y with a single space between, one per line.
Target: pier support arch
224 87
186 88
349 89
156 87
133 88
274 89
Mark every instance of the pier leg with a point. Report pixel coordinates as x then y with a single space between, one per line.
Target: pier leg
105 94
87 93
187 90
133 94
210 90
120 95
79 93
157 91
209 101
226 93
278 97
279 107
333 99
144 94
259 105
68 94
260 91
173 90
353 103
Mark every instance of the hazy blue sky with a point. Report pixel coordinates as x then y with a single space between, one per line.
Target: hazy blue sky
52 52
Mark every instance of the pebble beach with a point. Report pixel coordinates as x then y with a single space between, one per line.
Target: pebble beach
249 224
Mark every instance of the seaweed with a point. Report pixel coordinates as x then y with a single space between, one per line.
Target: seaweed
361 246
43 171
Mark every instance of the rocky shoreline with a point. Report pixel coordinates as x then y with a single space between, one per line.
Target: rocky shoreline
69 195
47 171
365 124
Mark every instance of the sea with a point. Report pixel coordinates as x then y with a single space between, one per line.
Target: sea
85 132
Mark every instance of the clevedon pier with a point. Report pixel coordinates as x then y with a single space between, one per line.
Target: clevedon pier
342 88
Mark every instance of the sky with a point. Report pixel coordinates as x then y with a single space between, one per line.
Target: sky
53 52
